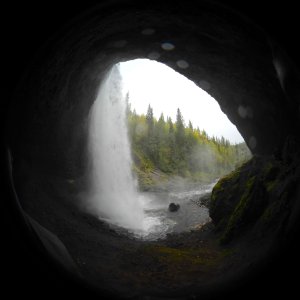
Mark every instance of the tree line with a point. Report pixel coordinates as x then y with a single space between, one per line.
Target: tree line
179 149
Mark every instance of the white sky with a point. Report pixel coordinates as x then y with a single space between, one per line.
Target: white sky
151 82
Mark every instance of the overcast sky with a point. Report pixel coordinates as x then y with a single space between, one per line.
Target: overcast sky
151 82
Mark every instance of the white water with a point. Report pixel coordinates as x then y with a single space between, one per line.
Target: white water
113 194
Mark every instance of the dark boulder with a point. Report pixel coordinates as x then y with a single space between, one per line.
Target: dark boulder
256 197
173 207
204 200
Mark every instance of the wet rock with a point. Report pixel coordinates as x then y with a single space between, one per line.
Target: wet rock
256 199
240 199
204 200
173 207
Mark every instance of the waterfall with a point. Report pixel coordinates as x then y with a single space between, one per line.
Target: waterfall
114 194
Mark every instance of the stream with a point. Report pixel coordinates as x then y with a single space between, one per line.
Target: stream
159 221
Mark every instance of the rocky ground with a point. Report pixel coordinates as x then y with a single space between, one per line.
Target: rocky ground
116 260
182 265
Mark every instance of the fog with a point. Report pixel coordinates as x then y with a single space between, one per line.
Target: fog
202 158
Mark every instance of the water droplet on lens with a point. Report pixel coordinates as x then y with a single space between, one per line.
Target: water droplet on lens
168 46
153 55
249 112
148 31
120 44
204 84
182 64
252 142
242 111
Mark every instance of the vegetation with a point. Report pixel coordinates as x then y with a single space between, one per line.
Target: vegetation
174 149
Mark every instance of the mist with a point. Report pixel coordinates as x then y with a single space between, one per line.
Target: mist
113 191
202 158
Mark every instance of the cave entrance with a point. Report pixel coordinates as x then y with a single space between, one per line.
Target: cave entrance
158 145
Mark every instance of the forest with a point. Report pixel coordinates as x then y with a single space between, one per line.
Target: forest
163 148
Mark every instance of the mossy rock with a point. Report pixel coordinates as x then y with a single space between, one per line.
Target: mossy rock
241 198
251 206
224 197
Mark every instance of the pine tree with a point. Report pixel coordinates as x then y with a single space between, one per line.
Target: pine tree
161 119
178 149
128 105
160 129
150 121
180 134
152 140
170 125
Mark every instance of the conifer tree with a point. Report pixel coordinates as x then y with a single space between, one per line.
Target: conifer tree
178 149
180 134
150 121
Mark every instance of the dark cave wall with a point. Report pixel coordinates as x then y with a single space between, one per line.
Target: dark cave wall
52 135
48 123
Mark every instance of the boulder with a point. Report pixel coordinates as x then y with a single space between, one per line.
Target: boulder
204 200
173 207
251 198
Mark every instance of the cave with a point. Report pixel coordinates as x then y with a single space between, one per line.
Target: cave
246 70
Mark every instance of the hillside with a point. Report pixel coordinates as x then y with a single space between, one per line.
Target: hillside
163 150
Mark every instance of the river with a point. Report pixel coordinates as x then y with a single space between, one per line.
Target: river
159 221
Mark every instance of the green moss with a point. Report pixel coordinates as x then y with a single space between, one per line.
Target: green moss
224 193
268 168
233 175
268 214
231 178
272 212
271 185
219 185
250 182
239 212
271 169
187 256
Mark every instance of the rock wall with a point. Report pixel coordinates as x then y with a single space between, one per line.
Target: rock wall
260 198
222 52
255 82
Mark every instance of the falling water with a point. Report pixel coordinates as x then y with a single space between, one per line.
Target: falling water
114 195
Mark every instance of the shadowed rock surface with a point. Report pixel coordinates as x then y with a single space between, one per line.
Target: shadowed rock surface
227 56
258 199
255 210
